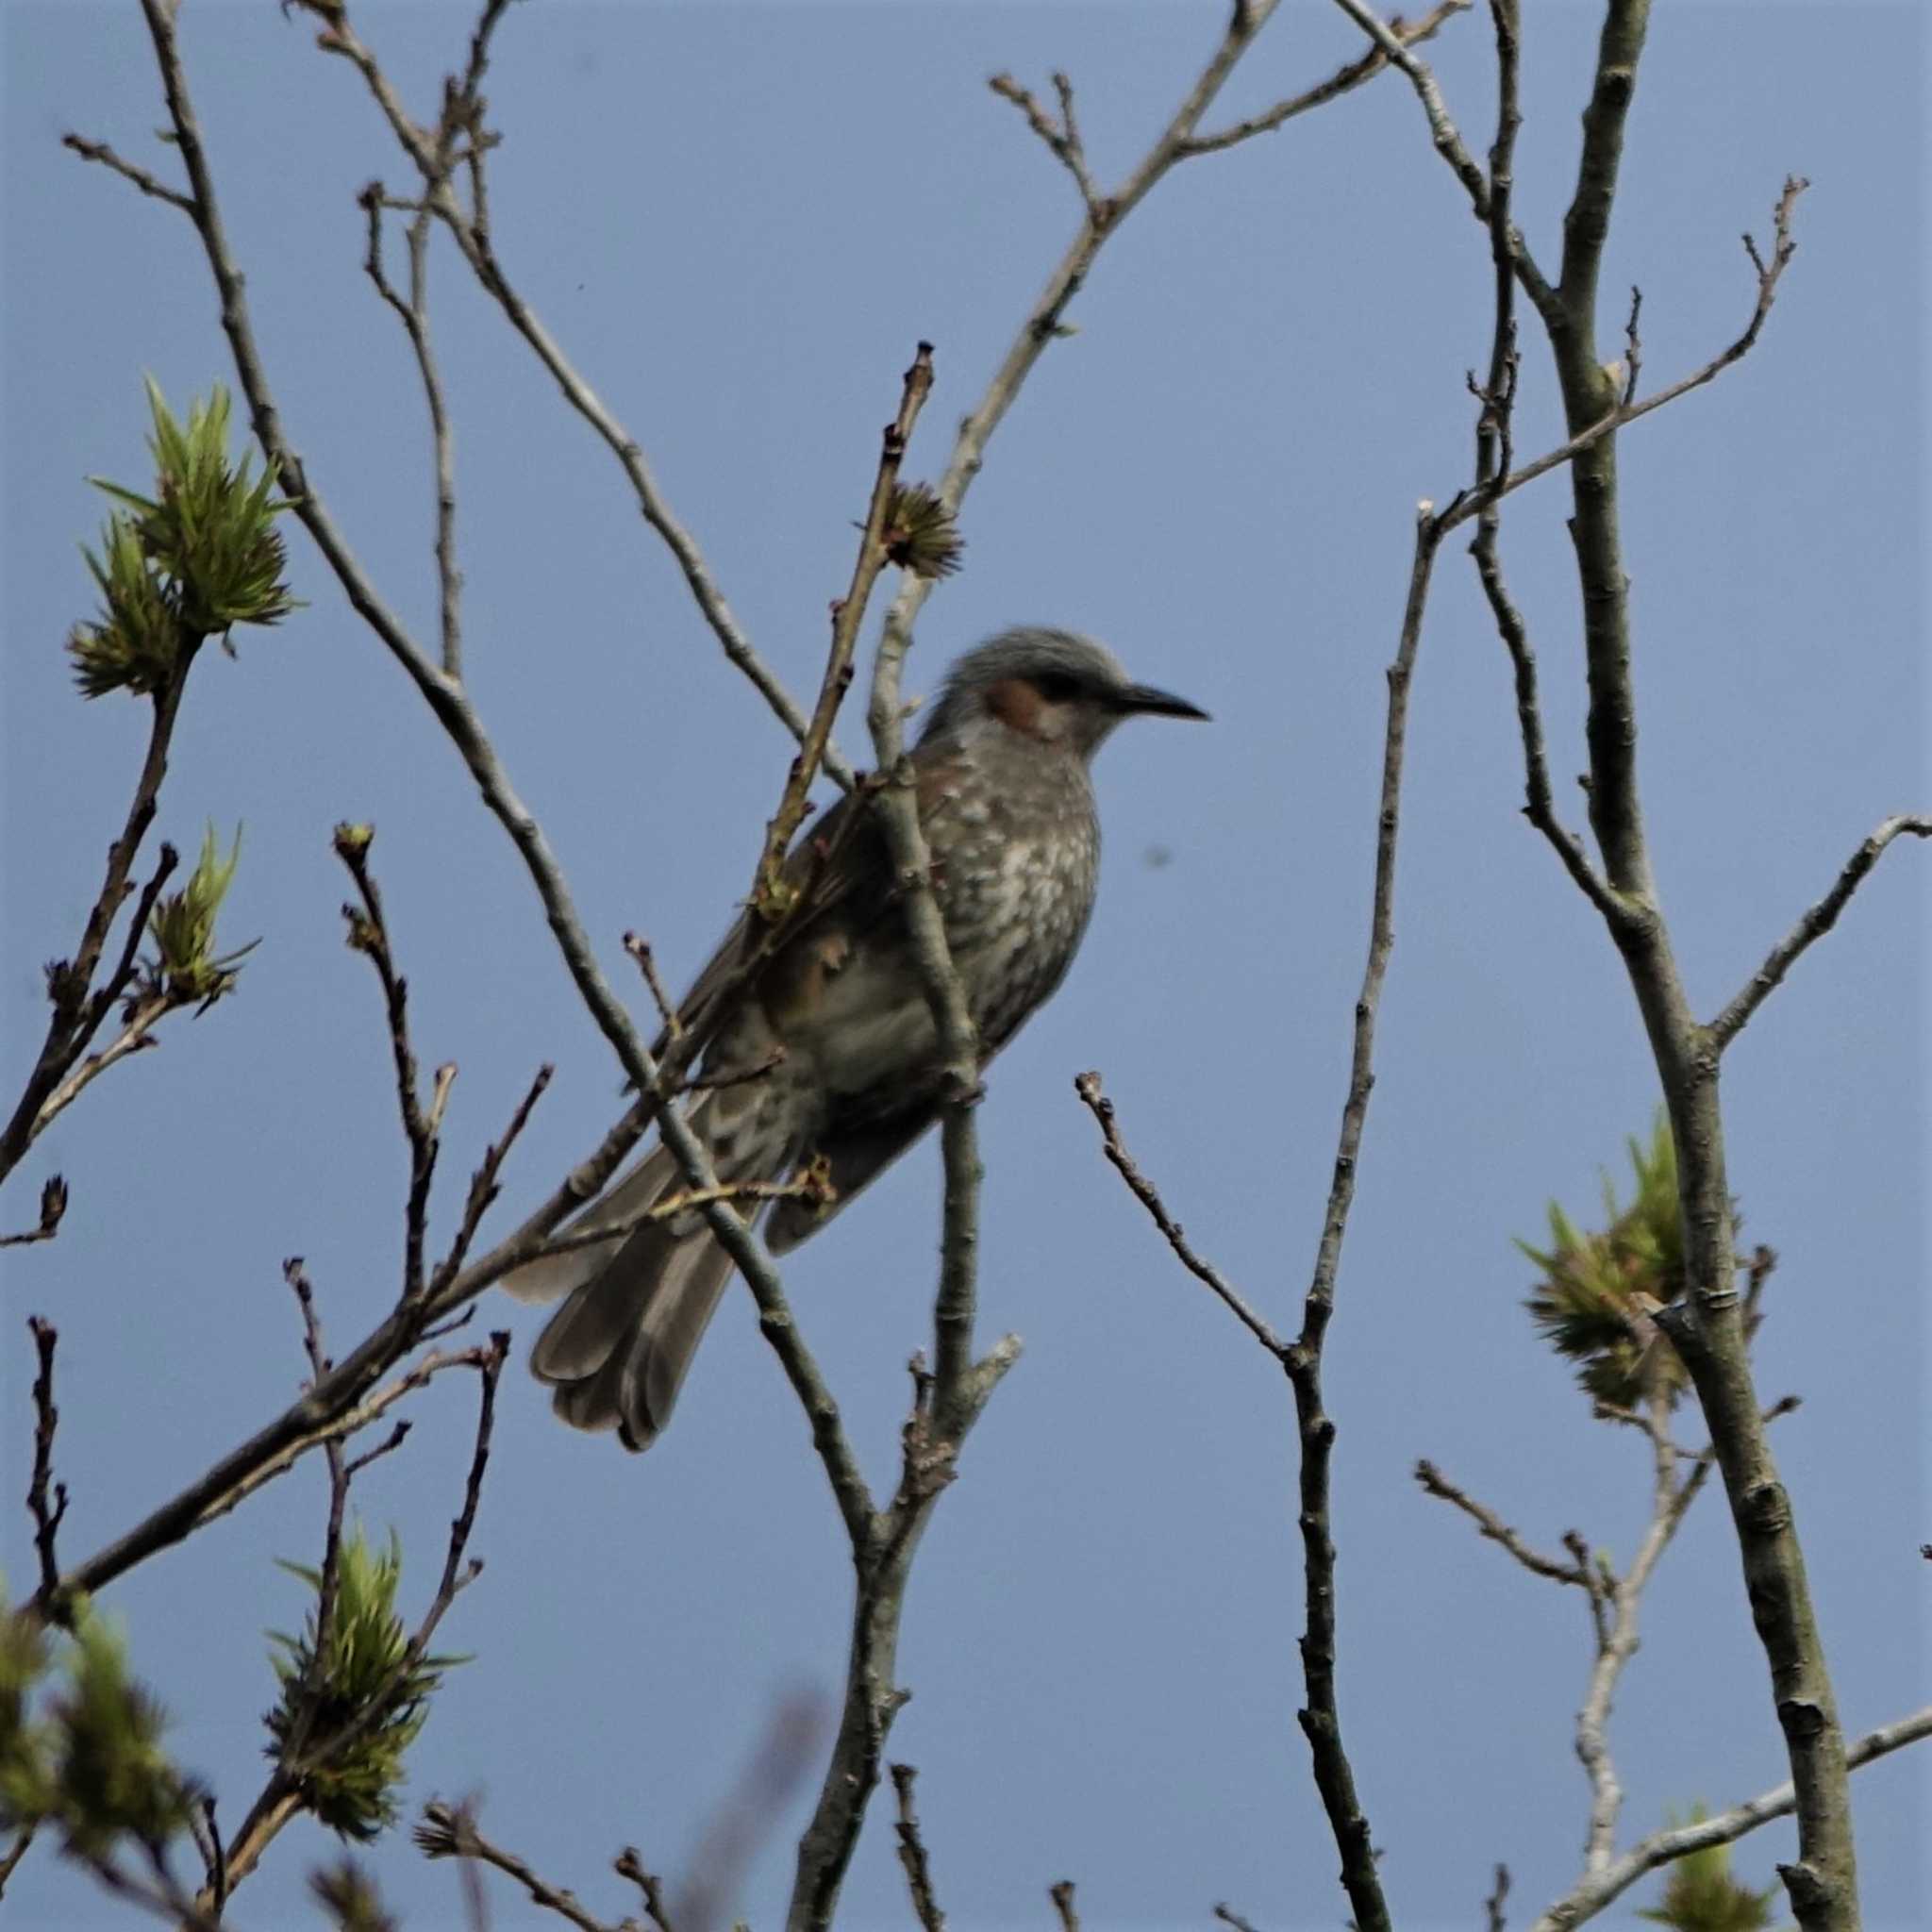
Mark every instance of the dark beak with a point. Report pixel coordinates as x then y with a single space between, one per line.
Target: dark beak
1162 703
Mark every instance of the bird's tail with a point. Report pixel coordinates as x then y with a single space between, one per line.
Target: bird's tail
638 1305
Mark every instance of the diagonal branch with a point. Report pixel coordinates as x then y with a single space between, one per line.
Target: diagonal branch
99 150
1817 921
1088 1086
1342 81
78 1005
1436 1484
1596 1890
449 1831
434 153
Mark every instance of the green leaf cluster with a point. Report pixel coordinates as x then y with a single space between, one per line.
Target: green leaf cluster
348 1895
91 1763
199 556
1600 1288
1701 1895
335 1679
186 966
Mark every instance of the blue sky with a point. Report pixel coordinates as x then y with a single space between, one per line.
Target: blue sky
739 220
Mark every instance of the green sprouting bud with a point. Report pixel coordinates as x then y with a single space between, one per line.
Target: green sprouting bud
211 526
27 1786
352 841
137 640
108 1777
352 1674
348 1895
1601 1290
183 927
1701 1895
920 534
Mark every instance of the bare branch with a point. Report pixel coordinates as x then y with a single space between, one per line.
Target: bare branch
78 1005
1088 1086
1062 1896
1436 1484
434 156
913 1854
45 1513
99 150
1449 144
369 935
414 315
667 1011
135 1036
630 1865
1596 1890
1063 138
450 1831
1492 1906
1344 80
483 1185
1321 1720
847 614
1817 921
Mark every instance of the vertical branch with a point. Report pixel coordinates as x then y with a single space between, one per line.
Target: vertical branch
46 1514
1320 1721
1707 1327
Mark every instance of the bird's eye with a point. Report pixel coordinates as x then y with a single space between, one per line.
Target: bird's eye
1057 687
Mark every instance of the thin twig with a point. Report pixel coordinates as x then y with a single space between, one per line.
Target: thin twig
414 315
1088 1086
449 1831
1449 144
46 1514
1817 921
848 613
1321 1720
630 1865
484 1188
1228 1916
1492 1906
1436 1484
1363 68
926 1907
99 150
78 1005
647 964
431 153
135 1036
1062 136
369 935
1061 1895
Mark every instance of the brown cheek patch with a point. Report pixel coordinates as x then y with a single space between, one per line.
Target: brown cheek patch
1017 703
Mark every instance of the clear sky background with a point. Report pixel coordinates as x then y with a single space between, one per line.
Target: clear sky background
739 220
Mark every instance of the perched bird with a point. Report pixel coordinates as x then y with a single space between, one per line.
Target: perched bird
827 1052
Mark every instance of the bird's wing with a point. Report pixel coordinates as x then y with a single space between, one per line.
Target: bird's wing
834 858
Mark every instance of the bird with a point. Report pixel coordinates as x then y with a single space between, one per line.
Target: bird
824 1060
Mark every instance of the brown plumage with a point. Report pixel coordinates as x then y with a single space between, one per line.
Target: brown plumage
838 1015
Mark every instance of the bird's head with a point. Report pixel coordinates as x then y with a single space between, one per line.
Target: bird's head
1051 686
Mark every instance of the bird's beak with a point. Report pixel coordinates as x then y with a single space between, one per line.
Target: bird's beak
1162 704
